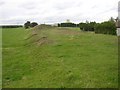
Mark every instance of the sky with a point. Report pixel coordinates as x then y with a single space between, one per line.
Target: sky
56 11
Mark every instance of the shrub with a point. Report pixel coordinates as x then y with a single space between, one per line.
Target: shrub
87 26
107 27
33 24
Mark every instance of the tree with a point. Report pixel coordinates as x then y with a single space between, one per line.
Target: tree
82 26
87 26
33 24
27 24
107 27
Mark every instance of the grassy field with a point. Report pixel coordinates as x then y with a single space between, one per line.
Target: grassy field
59 58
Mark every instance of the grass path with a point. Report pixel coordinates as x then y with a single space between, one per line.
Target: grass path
66 58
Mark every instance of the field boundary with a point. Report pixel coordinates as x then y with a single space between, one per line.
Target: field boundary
0 58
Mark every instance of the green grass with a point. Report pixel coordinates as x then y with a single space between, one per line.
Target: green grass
59 58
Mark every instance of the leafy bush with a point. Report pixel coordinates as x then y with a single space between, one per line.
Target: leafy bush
107 27
87 26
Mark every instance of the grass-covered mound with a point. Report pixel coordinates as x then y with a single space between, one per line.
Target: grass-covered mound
59 57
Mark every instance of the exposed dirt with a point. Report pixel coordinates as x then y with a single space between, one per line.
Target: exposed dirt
43 40
30 36
34 33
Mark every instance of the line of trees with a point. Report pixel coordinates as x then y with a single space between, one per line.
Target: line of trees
11 26
68 25
88 26
107 27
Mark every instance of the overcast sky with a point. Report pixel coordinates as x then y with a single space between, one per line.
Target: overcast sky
55 11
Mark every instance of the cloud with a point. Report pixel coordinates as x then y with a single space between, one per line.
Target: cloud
2 3
52 11
28 5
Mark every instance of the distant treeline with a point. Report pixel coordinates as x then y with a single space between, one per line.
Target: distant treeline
10 26
88 26
107 27
68 25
